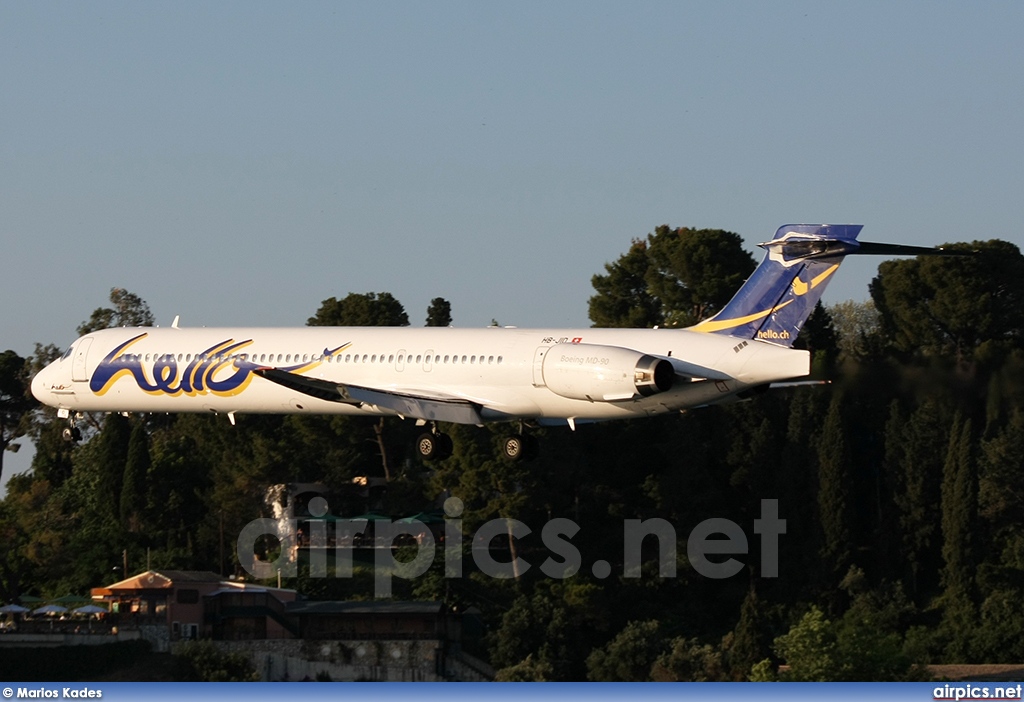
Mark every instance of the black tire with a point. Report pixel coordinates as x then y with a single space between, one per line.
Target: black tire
427 446
515 447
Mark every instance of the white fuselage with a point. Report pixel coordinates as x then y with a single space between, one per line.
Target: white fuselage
500 370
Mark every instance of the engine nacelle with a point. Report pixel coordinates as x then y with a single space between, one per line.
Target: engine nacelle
604 373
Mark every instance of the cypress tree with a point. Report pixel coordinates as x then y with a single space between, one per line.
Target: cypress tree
133 486
834 492
959 517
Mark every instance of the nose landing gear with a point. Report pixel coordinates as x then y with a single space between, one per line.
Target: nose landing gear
71 433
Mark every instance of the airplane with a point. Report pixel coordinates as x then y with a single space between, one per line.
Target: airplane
537 377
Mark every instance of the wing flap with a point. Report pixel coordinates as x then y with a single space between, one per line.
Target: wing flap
437 409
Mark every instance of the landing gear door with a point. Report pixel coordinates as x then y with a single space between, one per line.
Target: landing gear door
538 366
78 368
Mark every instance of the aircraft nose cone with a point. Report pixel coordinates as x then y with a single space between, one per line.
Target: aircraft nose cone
39 387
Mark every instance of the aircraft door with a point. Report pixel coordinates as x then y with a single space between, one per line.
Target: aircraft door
400 360
78 368
428 360
538 366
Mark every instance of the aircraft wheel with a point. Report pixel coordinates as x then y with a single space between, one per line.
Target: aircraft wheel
427 446
435 447
519 447
72 434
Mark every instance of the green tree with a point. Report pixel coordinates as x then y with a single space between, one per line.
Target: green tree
629 656
959 520
834 487
360 310
133 484
913 461
439 314
202 661
856 326
128 310
694 272
951 305
959 509
688 660
818 336
15 402
527 670
750 642
622 297
862 645
675 277
555 624
113 443
1001 492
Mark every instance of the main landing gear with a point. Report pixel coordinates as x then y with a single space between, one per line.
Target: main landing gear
434 445
520 447
437 446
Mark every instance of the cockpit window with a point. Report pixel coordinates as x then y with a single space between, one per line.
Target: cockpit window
68 352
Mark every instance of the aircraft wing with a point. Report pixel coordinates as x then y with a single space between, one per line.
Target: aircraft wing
436 408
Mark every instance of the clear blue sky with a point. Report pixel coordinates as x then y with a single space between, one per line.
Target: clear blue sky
237 163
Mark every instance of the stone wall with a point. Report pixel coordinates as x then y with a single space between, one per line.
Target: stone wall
16 640
385 660
157 636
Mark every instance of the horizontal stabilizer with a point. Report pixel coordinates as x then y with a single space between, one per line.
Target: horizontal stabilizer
871 248
436 409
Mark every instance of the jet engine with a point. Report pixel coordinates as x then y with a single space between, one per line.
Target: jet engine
604 373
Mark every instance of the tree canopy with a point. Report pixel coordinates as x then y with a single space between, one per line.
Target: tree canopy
674 277
360 310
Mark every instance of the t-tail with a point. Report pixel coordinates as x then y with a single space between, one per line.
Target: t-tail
774 302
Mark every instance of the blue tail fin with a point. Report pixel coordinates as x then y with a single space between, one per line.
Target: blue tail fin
778 298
